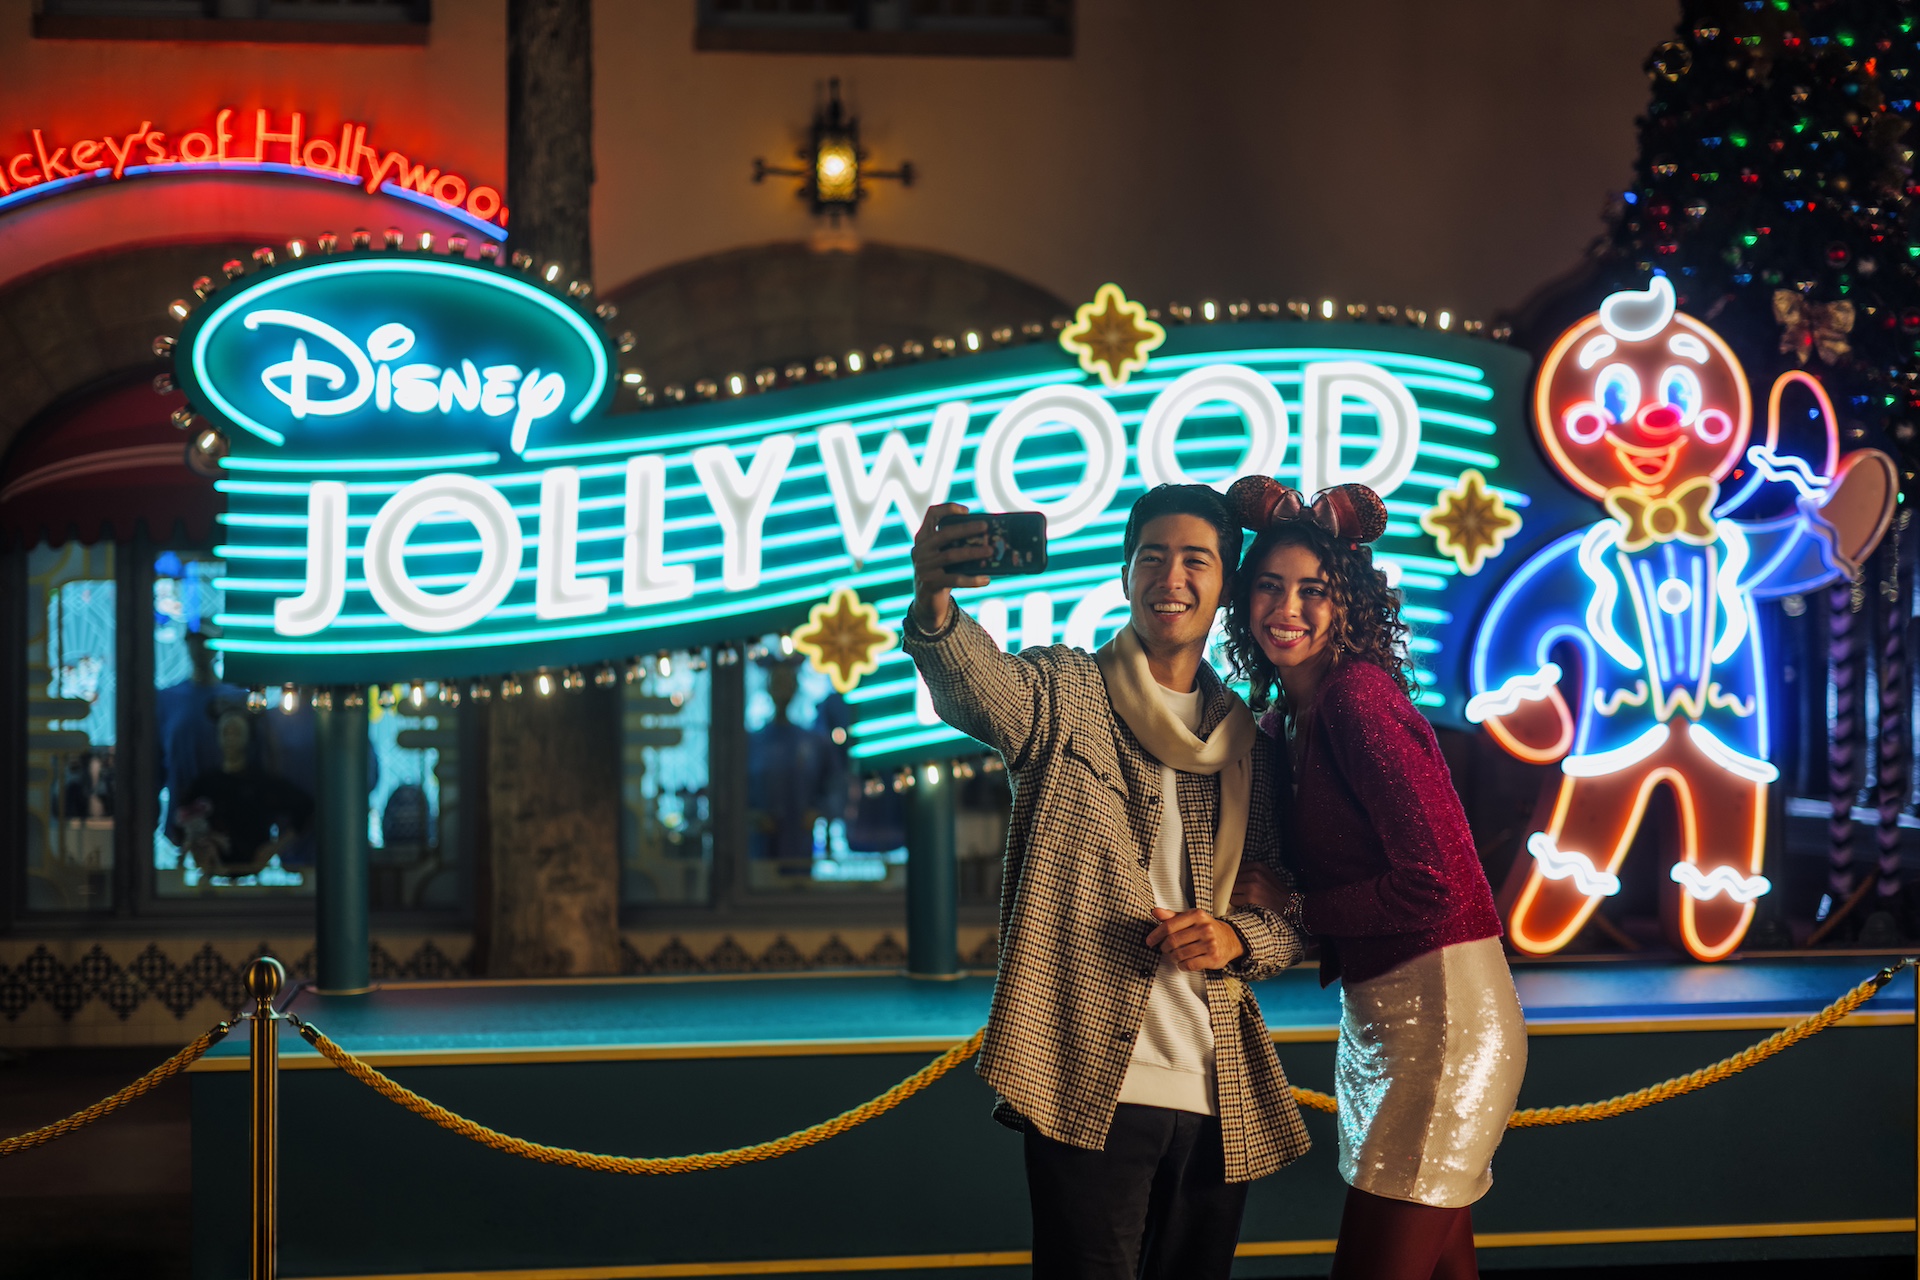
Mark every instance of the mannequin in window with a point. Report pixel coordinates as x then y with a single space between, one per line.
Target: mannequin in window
236 818
184 715
790 779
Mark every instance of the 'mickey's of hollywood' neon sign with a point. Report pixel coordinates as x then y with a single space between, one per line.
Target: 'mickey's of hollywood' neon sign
275 143
423 484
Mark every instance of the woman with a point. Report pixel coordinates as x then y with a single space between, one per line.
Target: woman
1432 1040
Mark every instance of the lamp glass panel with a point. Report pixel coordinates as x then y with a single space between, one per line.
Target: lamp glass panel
836 170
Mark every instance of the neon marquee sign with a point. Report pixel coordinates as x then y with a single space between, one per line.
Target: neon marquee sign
260 141
1628 651
433 538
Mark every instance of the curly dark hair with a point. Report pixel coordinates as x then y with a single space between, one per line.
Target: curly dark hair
1367 623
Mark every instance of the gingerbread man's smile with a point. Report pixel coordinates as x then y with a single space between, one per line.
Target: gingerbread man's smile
1647 465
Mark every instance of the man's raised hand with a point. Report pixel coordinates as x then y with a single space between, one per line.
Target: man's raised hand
935 551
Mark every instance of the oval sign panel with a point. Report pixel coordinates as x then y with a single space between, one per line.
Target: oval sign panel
353 351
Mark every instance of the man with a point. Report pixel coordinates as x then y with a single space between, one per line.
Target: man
1123 1040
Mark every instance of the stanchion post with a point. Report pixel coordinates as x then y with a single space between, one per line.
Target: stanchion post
341 943
264 979
933 924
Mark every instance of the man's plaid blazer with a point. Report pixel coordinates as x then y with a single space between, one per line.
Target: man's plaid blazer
1076 903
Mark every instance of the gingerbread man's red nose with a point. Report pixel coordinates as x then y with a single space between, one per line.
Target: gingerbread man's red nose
1660 419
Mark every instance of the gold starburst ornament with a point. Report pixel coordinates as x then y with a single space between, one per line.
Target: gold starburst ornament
1470 522
843 639
1112 336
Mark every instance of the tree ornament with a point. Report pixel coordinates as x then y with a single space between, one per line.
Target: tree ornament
1807 327
1669 62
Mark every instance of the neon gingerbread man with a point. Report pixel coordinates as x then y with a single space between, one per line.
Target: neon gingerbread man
1647 410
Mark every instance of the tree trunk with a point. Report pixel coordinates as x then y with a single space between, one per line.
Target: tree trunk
552 891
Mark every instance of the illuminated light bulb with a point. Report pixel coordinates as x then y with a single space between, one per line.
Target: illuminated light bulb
181 419
256 699
1326 308
839 736
706 388
827 366
677 699
163 346
162 383
457 246
634 671
362 238
572 679
416 695
633 377
795 372
696 663
912 349
264 256
855 362
480 691
605 678
1002 335
450 693
1444 320
607 312
972 340
353 698
490 253
233 268
579 288
1209 311
393 237
204 457
322 700
524 261
289 699
765 378
1417 316
543 683
736 384
625 342
786 645
296 248
426 242
552 273
179 308
385 696
674 392
326 242
933 775
663 664
511 688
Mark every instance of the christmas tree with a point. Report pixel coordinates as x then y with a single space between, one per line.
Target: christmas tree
1774 185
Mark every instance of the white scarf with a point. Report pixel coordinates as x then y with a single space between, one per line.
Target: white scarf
1228 751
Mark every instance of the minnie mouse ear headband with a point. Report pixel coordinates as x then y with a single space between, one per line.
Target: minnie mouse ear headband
1351 512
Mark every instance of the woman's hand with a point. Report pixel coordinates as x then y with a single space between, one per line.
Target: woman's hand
1255 886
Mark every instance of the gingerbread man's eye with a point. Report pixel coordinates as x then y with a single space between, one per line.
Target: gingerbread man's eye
1618 391
1680 389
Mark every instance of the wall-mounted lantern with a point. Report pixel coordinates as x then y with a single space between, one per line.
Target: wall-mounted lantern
832 165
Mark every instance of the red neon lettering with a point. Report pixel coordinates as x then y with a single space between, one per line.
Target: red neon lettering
457 196
121 152
86 155
157 154
221 136
347 161
415 178
484 203
318 154
53 167
261 137
24 179
190 143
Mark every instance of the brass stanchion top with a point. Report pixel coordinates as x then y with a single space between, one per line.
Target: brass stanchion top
265 977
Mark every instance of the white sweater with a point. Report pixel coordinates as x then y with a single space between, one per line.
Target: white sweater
1172 1063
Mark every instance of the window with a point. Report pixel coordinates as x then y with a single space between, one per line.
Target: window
73 790
811 825
945 28
273 21
414 851
666 820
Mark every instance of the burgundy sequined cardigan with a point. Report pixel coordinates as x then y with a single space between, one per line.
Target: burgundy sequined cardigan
1375 835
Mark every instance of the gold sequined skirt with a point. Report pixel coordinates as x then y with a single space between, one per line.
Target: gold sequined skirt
1427 1071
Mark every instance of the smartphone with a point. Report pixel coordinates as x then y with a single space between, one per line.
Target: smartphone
1015 543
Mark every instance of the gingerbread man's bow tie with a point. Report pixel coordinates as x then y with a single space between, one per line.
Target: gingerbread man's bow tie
1686 514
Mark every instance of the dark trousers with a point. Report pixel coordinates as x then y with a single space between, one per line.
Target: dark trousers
1154 1205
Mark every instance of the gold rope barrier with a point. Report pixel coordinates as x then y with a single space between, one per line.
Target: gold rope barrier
1752 1055
1532 1117
651 1166
106 1106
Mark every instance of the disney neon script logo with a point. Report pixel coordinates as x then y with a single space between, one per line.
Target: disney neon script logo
326 344
418 387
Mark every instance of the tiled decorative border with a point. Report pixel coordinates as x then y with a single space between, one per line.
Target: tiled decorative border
144 990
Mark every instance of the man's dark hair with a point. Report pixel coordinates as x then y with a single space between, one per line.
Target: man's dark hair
1184 500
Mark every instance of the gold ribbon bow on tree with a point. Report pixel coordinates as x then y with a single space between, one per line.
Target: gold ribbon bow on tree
1686 514
1806 327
